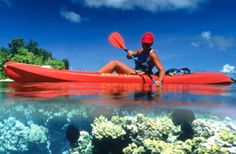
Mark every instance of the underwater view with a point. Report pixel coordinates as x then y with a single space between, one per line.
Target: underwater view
117 118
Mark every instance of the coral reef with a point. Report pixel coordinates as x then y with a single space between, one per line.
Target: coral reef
196 146
202 128
130 134
15 136
133 149
37 134
108 137
103 128
228 136
160 135
141 127
84 144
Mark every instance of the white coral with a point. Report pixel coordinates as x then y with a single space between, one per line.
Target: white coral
15 136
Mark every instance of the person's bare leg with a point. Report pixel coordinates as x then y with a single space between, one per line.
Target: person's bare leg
116 66
108 68
123 68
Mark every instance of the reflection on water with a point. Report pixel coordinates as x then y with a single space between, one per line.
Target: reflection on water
54 108
47 90
197 97
121 94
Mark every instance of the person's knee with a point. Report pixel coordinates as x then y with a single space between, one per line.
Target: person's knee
115 64
112 62
118 63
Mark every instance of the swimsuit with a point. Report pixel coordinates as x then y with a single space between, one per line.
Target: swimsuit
143 60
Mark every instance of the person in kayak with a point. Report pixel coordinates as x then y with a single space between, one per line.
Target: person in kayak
146 56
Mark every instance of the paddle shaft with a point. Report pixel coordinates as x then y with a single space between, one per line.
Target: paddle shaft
141 66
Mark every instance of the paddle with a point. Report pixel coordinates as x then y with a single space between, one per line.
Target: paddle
117 41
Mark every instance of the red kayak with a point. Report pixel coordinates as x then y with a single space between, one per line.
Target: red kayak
21 72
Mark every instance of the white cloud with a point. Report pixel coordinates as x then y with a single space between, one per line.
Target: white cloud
150 5
223 43
219 42
6 2
195 44
206 35
70 15
228 69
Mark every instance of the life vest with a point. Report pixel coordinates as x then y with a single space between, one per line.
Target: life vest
143 60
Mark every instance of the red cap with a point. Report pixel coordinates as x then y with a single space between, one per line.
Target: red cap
148 37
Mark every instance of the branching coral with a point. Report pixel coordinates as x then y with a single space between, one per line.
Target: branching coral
103 128
15 136
228 136
202 129
84 144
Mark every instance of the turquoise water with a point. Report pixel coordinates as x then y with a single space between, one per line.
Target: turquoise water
35 116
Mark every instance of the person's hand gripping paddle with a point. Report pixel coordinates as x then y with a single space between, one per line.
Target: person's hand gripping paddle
117 41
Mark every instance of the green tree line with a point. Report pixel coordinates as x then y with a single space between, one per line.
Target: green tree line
29 53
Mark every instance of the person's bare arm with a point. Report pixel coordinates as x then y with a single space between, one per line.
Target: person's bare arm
133 53
159 66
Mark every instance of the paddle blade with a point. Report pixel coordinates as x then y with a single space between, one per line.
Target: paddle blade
116 40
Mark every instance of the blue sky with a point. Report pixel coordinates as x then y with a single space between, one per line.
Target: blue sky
198 34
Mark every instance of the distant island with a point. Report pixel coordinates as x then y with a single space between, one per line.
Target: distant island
29 53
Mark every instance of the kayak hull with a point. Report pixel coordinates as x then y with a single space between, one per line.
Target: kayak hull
21 72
